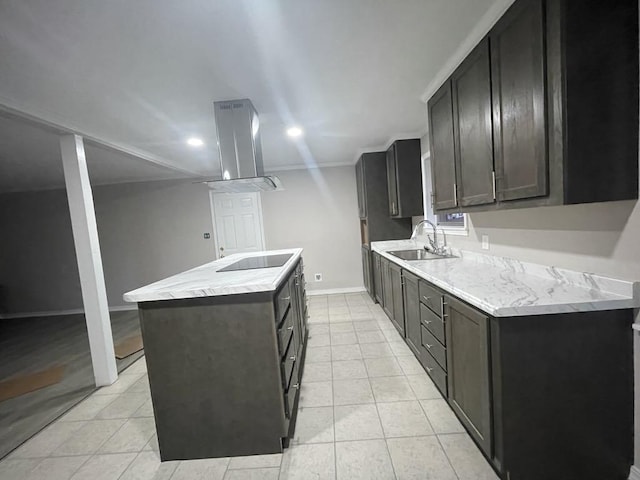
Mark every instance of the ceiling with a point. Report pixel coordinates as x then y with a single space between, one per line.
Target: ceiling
142 77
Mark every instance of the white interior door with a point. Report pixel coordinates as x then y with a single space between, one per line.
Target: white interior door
237 222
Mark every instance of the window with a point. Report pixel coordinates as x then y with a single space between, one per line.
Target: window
451 220
451 223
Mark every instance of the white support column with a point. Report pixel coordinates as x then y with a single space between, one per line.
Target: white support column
85 237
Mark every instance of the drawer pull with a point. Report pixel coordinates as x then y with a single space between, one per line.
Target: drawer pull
286 299
429 369
428 346
428 299
290 328
296 386
428 321
293 358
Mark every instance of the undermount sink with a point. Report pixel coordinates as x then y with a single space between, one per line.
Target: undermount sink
417 254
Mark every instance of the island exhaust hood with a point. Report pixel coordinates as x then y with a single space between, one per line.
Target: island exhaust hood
240 150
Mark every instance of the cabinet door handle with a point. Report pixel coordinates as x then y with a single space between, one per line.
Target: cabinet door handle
296 386
428 321
286 299
426 298
428 346
493 181
290 328
293 358
429 369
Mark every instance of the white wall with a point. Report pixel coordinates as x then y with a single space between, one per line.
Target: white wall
602 238
149 231
318 211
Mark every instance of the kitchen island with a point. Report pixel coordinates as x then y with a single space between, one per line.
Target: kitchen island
535 361
225 345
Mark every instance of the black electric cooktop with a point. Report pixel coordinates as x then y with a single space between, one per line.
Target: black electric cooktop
263 261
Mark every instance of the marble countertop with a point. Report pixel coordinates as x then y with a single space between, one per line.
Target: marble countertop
207 281
504 287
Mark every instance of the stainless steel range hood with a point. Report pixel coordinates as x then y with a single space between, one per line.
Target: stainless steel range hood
240 150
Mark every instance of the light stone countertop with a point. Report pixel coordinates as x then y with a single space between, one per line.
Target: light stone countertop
505 287
207 281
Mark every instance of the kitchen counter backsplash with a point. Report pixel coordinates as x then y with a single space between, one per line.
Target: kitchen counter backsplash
504 286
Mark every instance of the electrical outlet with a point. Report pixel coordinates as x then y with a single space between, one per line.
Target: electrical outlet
485 242
318 277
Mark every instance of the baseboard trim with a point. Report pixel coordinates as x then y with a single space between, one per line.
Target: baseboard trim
54 313
634 474
332 291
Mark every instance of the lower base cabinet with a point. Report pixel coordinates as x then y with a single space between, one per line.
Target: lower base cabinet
412 314
545 397
225 371
397 308
366 271
468 369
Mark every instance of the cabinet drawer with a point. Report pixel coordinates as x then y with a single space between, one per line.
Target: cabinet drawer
288 363
292 392
433 322
431 297
435 371
284 332
434 347
282 301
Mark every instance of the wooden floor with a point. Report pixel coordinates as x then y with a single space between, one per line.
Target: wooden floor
28 345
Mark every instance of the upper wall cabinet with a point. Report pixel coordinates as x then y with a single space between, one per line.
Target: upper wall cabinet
517 67
544 111
473 130
373 201
404 179
443 171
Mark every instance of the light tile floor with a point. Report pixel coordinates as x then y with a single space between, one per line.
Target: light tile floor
367 411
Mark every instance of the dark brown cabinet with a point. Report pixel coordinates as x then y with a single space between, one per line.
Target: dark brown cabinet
473 130
517 68
397 309
387 292
373 208
366 270
377 276
443 171
404 178
554 84
468 369
412 312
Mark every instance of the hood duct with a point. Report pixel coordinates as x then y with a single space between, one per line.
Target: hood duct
240 150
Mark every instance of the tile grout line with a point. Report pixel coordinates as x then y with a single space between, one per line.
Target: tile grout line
386 445
447 457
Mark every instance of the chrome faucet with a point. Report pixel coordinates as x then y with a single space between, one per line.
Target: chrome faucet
433 242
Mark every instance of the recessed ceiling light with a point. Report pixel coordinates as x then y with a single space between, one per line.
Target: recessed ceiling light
294 131
195 142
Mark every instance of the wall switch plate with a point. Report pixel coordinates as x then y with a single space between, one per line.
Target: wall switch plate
485 242
207 236
318 277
